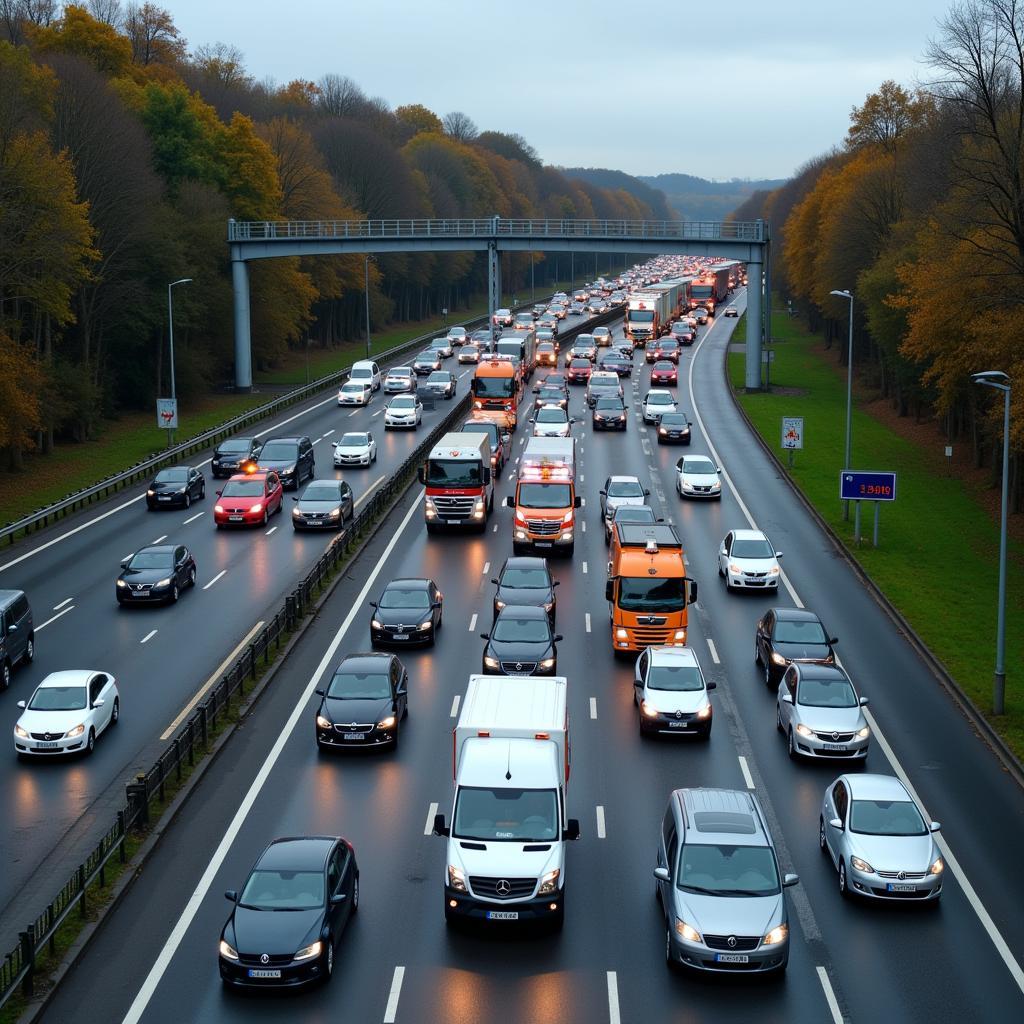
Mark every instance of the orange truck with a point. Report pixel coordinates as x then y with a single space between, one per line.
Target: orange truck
545 500
647 589
497 387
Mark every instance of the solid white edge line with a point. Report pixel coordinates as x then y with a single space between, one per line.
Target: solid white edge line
1016 972
613 998
455 705
746 773
67 600
149 636
593 707
428 828
391 1010
472 623
830 996
217 673
54 618
215 578
601 831
714 651
192 519
174 940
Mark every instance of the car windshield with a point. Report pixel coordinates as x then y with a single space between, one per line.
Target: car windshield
886 818
470 350
439 377
322 490
509 629
427 357
656 399
276 451
348 685
669 346
544 496
172 476
609 405
584 341
675 677
834 692
551 395
59 698
580 364
702 467
625 489
493 387
520 815
238 444
399 597
603 380
799 631
453 473
716 870
644 594
548 415
283 890
242 489
353 440
402 373
752 548
152 560
403 403
673 419
525 579
354 387
361 372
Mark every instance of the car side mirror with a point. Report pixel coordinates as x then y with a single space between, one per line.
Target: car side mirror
440 828
864 702
647 493
402 690
231 895
321 692
836 823
778 554
787 698
556 583
506 438
711 685
572 833
609 590
421 475
691 591
124 565
789 880
934 826
495 582
219 493
718 469
372 604
21 704
577 502
557 638
602 492
662 875
509 502
435 604
833 641
485 636
338 897
294 499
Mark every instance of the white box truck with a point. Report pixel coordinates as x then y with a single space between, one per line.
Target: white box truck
509 828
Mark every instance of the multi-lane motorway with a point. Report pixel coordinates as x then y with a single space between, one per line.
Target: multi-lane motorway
155 958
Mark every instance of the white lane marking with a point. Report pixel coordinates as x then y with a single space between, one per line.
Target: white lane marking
583 525
455 705
586 619
270 531
202 889
600 822
67 600
583 502
511 476
149 636
714 652
391 1010
353 412
522 440
495 530
747 778
318 439
192 519
951 862
215 677
584 568
214 580
428 828
486 569
472 623
581 478
593 707
377 413
331 431
54 618
830 996
160 540
613 999
369 490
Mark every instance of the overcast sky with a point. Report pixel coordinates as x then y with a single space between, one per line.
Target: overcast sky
719 88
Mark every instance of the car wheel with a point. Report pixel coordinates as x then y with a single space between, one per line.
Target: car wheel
202 491
174 594
266 516
768 673
355 895
757 653
90 743
822 844
191 577
115 712
188 500
374 459
720 573
668 950
394 742
790 746
5 676
30 650
844 889
329 962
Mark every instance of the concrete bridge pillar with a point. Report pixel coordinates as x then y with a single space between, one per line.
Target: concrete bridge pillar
243 340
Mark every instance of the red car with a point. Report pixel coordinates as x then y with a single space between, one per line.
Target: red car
664 372
248 499
578 371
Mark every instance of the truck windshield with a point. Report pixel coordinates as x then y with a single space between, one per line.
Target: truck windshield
544 496
493 387
641 316
700 291
510 348
643 594
452 473
519 815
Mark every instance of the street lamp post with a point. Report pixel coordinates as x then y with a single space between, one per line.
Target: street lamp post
170 336
849 393
366 292
1001 382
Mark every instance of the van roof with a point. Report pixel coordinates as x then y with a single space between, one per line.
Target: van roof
508 763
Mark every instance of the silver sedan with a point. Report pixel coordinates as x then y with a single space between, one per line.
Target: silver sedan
879 840
820 714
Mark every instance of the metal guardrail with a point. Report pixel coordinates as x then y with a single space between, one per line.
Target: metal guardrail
491 227
192 740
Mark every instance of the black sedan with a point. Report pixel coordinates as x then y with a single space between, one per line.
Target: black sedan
525 581
158 572
785 635
286 922
176 488
521 643
231 455
674 428
614 362
609 414
363 703
407 612
323 505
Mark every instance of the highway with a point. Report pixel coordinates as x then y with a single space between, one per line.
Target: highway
155 958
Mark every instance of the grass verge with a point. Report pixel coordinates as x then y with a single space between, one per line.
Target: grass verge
937 560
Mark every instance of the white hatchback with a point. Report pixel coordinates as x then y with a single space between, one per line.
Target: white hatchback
671 693
551 421
66 713
657 403
356 448
747 561
697 477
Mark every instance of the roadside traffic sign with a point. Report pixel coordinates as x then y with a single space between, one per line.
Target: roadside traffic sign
167 413
857 485
793 432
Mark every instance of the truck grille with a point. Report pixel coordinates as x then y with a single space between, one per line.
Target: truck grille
543 527
651 636
518 888
453 507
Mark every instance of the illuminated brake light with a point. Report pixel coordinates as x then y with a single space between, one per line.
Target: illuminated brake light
541 736
484 735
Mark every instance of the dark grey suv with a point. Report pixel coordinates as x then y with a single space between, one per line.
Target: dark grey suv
17 636
291 458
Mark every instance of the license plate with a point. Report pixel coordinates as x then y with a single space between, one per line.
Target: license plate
352 736
544 543
401 636
502 915
255 972
677 725
46 746
235 519
454 522
839 747
163 497
517 673
900 887
732 958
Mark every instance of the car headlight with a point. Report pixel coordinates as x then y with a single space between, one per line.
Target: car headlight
165 582
864 733
121 583
546 663
386 722
218 509
427 624
375 624
680 635
687 932
323 723
621 634
498 603
705 712
716 485
335 512
662 430
549 882
77 731
227 951
687 486
649 709
258 507
778 934
778 659
20 733
491 662
862 865
938 867
804 730
774 570
456 878
151 492
296 513
735 569
310 951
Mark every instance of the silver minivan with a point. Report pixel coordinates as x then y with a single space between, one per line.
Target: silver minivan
719 885
17 636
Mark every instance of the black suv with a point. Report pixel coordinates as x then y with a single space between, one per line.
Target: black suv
291 458
17 636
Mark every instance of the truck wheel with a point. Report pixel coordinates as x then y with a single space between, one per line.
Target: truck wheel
569 550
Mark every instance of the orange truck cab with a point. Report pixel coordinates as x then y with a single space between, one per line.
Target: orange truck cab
647 589
545 500
497 388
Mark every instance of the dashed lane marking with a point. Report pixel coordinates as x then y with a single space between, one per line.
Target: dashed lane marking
714 651
214 580
428 828
192 519
149 636
455 705
601 834
746 773
67 600
391 1010
54 618
593 707
472 623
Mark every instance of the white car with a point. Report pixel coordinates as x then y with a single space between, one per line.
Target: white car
731 311
403 411
399 378
747 561
671 693
356 448
66 712
619 491
820 713
551 421
443 346
469 354
457 335
697 477
366 370
658 402
355 392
